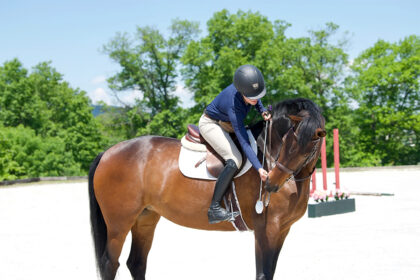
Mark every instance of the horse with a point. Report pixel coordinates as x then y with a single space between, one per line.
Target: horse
135 182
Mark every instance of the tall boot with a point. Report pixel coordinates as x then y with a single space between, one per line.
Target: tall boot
217 213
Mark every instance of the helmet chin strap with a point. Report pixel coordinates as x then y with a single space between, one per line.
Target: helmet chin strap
249 101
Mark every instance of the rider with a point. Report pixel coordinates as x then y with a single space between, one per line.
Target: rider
231 106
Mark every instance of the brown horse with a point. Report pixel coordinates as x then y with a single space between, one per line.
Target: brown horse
135 182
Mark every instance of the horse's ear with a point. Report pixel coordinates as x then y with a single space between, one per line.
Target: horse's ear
295 118
320 132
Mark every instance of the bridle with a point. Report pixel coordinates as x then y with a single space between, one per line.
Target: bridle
293 174
284 168
260 205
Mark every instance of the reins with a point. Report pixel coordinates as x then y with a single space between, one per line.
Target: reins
288 170
293 174
259 205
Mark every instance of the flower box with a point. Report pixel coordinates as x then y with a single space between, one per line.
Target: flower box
331 207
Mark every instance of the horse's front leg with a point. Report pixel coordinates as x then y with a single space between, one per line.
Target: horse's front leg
268 243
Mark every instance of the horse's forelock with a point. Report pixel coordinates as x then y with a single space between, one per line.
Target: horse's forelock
307 130
312 118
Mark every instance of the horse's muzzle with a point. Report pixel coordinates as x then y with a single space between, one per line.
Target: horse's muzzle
271 188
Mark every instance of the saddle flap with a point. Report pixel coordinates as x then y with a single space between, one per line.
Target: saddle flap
214 162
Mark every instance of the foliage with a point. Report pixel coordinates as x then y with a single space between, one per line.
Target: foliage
25 154
340 195
167 123
149 64
43 102
385 84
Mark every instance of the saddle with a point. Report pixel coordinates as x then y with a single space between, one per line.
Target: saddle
214 162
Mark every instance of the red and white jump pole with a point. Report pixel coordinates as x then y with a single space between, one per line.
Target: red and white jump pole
340 203
336 159
324 164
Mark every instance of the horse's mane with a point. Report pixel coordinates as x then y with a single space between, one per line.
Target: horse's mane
305 108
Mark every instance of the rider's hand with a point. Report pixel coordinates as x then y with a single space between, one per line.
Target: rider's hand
263 174
266 115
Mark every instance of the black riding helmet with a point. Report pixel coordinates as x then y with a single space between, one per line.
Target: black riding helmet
249 81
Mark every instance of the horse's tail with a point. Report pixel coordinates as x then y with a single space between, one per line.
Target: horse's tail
97 222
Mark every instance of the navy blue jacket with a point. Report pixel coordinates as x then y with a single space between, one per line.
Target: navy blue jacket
229 106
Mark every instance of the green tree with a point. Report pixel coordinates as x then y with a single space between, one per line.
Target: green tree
42 101
385 84
25 154
18 103
149 64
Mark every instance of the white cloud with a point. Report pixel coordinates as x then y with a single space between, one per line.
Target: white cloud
126 97
130 97
98 80
99 94
185 96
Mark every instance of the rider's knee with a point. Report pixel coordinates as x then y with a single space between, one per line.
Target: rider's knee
236 160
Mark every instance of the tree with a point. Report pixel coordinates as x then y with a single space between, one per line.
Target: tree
45 103
25 154
149 64
18 103
385 83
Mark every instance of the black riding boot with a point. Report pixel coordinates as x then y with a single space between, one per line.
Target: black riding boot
217 213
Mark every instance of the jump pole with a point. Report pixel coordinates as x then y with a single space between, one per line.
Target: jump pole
313 182
330 207
324 169
336 159
324 164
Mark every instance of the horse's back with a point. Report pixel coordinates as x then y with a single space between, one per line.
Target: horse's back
139 149
123 172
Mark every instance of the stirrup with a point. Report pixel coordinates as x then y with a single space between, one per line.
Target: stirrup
220 214
233 216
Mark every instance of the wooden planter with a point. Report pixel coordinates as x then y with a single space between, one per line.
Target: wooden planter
331 207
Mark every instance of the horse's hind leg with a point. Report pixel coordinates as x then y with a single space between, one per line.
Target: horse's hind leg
119 224
115 241
142 236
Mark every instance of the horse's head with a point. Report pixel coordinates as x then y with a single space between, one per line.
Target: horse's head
297 144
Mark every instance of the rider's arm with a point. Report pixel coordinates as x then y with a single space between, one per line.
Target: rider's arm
260 107
237 120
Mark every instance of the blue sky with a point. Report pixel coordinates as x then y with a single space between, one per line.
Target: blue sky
70 33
